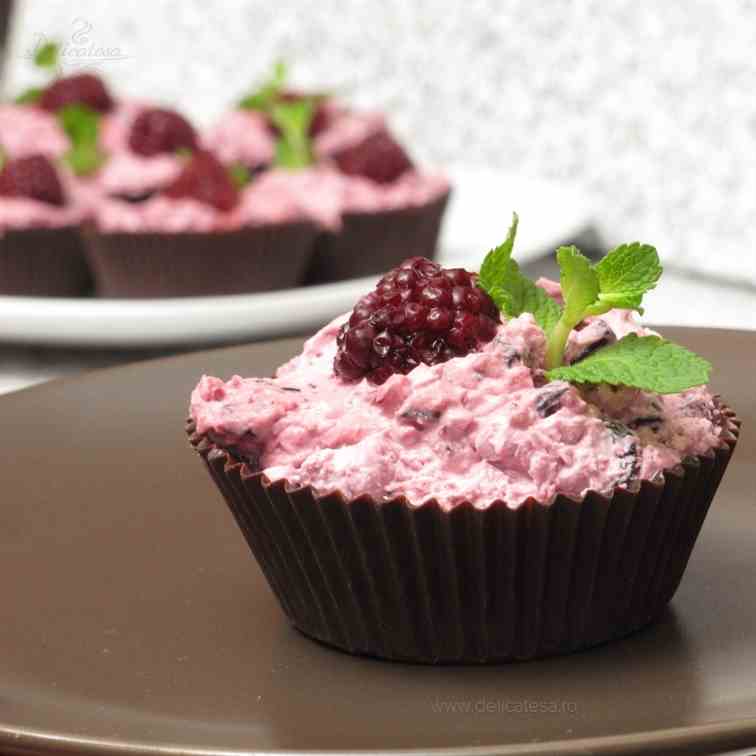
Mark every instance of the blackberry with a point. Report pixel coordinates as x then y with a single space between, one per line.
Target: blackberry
379 158
205 178
157 131
418 313
34 177
80 89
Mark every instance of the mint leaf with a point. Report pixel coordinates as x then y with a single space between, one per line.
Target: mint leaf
82 126
293 119
579 282
46 55
625 275
649 363
497 262
580 289
512 292
269 93
240 175
29 96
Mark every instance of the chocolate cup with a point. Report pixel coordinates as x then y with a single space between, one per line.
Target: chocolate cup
43 262
468 585
250 259
372 243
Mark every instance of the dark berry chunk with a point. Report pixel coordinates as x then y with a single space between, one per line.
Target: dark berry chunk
420 419
652 421
34 177
412 317
588 338
156 131
80 89
550 400
205 178
379 158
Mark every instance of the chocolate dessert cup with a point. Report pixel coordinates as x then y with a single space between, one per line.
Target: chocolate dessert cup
467 584
250 259
370 243
43 262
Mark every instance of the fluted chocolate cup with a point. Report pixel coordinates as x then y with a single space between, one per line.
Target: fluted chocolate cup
372 243
43 262
471 585
247 260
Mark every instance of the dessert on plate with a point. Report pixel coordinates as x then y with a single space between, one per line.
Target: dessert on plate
387 208
474 468
41 209
48 144
207 232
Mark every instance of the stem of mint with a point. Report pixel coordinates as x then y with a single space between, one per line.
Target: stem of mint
557 343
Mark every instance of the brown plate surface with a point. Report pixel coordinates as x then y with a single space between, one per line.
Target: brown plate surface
133 619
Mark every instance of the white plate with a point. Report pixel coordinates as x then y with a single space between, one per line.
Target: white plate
478 217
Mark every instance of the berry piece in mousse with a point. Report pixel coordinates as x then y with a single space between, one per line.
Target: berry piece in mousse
418 312
379 158
205 179
80 89
33 177
157 130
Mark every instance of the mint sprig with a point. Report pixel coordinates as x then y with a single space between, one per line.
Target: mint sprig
512 292
644 362
82 127
293 120
46 58
29 96
269 93
240 175
619 280
46 55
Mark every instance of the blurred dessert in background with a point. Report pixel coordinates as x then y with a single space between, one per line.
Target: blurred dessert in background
287 188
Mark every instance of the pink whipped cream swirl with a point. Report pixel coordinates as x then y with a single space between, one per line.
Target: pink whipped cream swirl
20 213
242 136
478 428
318 195
27 130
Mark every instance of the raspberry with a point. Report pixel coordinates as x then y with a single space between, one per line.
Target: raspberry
34 177
81 89
157 130
418 312
378 158
204 178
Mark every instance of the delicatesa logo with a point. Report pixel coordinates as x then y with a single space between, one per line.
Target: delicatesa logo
79 51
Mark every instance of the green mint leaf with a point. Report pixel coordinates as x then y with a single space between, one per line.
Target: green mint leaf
293 119
29 96
512 292
269 93
82 126
46 55
649 363
497 262
240 175
579 282
522 295
625 275
580 289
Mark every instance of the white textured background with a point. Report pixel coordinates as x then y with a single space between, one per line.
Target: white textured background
648 106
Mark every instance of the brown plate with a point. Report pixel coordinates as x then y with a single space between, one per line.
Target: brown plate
133 620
